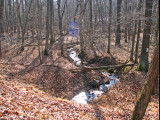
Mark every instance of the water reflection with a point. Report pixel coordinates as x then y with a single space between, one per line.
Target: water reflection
87 96
73 55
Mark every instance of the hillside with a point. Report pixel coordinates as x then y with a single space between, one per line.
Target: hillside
19 100
32 91
22 101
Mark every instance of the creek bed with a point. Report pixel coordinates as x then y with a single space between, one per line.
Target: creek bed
86 96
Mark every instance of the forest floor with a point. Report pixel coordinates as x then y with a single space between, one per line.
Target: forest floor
30 90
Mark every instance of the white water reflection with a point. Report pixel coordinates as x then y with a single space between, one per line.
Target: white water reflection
87 96
74 57
112 82
81 98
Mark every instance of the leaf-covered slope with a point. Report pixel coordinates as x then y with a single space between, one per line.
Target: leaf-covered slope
22 101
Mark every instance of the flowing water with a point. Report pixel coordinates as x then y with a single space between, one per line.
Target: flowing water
73 55
84 97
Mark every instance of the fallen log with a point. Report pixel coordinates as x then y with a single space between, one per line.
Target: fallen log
100 67
35 45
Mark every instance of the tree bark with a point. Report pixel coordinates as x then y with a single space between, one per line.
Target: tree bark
133 40
10 16
151 82
39 30
47 29
144 63
82 53
1 20
60 16
157 40
23 24
51 21
91 16
109 26
118 35
139 31
125 37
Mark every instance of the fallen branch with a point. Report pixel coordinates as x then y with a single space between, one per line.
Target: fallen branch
101 67
35 45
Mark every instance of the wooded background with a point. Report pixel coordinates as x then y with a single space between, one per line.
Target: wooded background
49 20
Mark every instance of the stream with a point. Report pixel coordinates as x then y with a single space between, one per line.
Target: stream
84 97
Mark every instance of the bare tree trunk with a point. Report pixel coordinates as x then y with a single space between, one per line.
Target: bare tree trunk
156 40
133 40
14 18
157 24
82 53
109 26
47 29
23 24
60 16
144 63
51 21
95 13
60 25
100 14
118 35
91 28
138 32
91 16
10 16
151 82
6 16
1 19
125 4
39 30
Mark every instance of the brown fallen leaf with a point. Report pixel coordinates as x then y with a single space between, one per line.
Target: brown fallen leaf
18 113
7 112
0 114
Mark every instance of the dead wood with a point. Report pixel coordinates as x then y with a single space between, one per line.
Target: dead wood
100 67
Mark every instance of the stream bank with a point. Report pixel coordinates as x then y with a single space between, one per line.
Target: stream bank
96 88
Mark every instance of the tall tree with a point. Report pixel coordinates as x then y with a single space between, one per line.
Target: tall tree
109 26
133 40
91 16
1 15
60 16
82 53
157 39
23 20
47 29
125 4
118 33
39 28
100 10
139 31
150 84
1 20
144 63
51 20
14 17
10 16
157 23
